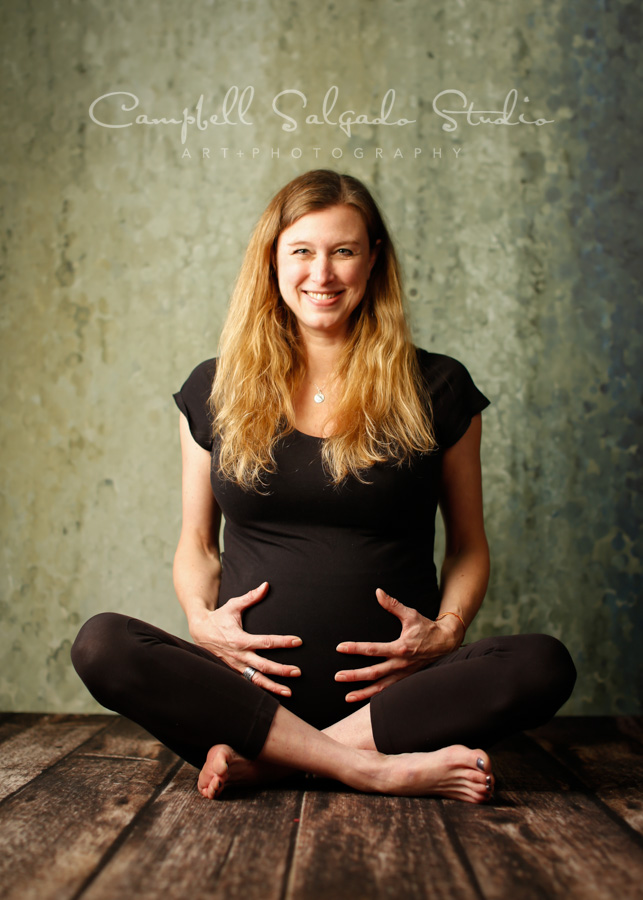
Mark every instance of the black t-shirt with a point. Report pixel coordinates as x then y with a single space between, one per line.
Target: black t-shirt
323 548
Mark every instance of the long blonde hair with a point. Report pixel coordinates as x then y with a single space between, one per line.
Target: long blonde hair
383 411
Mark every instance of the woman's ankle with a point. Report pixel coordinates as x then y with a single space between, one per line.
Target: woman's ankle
370 771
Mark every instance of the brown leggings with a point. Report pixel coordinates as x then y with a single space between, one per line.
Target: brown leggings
190 700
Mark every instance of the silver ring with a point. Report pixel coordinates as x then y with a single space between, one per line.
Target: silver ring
249 673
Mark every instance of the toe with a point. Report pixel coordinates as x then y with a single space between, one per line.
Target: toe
482 761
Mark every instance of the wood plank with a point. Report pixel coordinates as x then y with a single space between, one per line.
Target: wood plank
185 846
371 847
13 723
103 821
605 759
632 726
125 740
55 831
31 750
544 836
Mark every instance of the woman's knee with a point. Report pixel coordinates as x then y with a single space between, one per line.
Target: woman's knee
543 675
557 669
97 647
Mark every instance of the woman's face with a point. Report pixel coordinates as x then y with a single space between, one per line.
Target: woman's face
323 264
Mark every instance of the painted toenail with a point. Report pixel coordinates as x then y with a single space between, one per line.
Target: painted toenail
488 781
480 763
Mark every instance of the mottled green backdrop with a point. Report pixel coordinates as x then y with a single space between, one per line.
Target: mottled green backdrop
120 247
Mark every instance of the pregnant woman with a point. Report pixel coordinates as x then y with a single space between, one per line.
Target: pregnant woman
323 641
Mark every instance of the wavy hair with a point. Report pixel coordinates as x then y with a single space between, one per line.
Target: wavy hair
383 410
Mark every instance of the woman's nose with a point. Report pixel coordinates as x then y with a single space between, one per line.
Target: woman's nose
322 271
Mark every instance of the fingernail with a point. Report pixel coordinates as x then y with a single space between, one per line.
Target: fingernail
480 763
340 677
340 647
285 693
350 697
295 672
296 642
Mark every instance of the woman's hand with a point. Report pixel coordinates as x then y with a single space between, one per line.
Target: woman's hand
221 632
420 641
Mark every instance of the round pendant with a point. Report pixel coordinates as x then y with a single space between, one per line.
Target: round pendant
319 397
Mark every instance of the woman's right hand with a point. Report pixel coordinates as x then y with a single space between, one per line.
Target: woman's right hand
221 632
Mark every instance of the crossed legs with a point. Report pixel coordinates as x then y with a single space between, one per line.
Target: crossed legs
481 693
204 711
455 772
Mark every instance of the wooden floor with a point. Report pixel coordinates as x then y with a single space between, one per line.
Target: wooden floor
93 807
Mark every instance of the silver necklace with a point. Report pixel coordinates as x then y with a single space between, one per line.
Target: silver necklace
319 396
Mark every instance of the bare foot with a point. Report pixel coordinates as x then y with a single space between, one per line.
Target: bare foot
214 774
224 765
453 772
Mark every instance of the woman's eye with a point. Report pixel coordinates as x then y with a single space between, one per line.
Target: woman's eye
344 251
300 251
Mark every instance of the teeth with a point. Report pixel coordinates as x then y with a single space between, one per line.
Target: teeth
322 296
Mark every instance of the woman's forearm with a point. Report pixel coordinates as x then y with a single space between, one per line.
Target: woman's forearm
464 579
197 577
465 570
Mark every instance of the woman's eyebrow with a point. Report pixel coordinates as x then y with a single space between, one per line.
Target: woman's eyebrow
335 243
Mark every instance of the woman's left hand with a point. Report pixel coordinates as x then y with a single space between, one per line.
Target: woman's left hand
420 641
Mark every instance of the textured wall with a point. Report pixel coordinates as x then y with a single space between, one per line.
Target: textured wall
120 249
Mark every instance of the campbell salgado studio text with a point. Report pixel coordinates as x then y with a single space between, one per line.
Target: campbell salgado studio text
451 106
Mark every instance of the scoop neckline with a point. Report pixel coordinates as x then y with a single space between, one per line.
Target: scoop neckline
311 437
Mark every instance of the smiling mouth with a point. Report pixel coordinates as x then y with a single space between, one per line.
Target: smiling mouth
322 297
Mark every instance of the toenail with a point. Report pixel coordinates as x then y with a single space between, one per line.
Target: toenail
488 781
480 763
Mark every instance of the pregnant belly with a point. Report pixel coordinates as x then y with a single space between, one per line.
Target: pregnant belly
323 614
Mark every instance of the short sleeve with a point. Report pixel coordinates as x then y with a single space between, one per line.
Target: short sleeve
193 399
455 399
